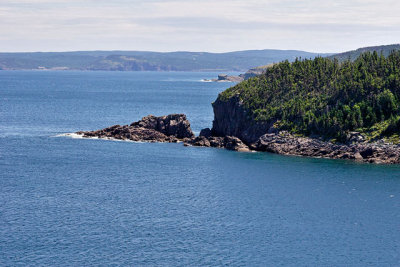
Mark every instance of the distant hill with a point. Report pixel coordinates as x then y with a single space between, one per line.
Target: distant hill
149 61
354 54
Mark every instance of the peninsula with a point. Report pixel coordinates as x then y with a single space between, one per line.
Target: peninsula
314 107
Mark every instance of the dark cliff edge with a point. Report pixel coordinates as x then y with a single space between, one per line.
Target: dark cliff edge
231 118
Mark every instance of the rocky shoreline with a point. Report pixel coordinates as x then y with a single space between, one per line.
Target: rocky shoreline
176 128
225 78
241 77
286 144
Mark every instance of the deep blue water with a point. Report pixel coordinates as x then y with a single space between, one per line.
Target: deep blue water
77 202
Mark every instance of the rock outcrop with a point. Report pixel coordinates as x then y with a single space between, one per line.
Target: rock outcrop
228 142
232 119
170 128
255 72
241 77
226 78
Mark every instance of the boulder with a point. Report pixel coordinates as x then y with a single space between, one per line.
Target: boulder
205 132
234 143
355 137
228 142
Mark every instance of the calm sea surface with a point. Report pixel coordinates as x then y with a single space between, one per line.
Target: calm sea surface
77 202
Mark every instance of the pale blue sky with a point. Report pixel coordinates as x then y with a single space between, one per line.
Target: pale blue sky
197 25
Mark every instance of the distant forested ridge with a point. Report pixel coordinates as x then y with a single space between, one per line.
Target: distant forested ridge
325 97
354 54
148 61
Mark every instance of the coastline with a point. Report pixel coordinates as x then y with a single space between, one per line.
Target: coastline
284 143
175 128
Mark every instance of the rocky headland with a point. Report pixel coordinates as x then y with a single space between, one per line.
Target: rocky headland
226 78
241 77
314 108
317 108
231 131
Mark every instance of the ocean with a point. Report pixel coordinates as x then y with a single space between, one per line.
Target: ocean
83 202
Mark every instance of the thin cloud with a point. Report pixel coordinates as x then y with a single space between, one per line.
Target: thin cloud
313 25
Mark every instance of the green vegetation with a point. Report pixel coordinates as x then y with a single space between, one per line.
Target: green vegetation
353 55
327 98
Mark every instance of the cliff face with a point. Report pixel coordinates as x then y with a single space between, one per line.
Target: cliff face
235 128
232 119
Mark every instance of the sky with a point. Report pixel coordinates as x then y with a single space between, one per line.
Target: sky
197 25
